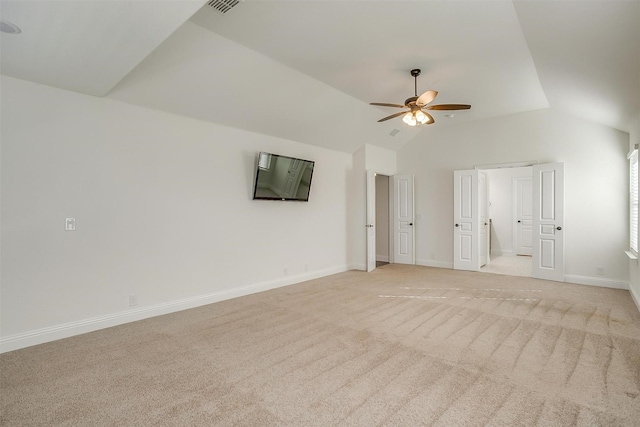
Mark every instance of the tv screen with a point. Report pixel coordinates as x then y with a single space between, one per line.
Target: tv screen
282 178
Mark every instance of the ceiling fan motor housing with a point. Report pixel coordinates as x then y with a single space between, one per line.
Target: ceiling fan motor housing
411 102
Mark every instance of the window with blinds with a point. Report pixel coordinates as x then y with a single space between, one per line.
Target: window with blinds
264 161
633 200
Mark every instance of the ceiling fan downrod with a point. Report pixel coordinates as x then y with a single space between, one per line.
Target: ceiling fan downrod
415 73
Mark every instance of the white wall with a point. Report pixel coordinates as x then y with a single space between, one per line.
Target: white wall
380 160
595 162
501 207
357 210
634 269
163 211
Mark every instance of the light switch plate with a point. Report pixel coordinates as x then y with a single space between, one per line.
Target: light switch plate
70 224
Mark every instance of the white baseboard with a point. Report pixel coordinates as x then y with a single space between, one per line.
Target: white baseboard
635 296
382 258
596 281
434 263
56 332
357 266
570 278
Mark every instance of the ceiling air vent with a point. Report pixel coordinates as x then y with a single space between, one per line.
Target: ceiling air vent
223 6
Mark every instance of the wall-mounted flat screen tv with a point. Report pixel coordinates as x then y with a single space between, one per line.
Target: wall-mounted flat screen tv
282 178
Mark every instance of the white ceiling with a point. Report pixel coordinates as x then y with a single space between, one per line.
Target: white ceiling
86 46
306 70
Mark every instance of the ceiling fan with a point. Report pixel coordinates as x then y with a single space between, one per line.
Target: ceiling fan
416 115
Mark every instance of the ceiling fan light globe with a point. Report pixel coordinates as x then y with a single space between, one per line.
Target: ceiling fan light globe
408 118
421 117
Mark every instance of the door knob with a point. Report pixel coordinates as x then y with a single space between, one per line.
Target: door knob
558 228
457 225
410 223
519 221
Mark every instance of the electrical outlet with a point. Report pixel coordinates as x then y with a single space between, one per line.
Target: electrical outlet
285 271
133 300
600 270
306 267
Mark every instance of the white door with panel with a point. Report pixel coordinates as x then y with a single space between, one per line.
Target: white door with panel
371 221
466 218
292 180
483 211
523 201
403 219
548 221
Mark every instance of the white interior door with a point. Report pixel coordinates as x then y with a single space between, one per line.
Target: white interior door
403 211
371 221
483 211
293 178
523 200
548 221
466 218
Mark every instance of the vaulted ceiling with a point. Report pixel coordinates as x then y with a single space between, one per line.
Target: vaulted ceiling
307 70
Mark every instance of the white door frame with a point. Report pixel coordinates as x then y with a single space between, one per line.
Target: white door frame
371 221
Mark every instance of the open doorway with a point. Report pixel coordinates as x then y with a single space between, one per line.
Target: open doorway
547 220
510 213
397 204
383 220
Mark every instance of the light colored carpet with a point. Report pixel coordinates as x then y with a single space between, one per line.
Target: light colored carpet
401 346
510 265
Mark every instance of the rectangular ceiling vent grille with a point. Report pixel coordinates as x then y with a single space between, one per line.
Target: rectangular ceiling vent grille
223 6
